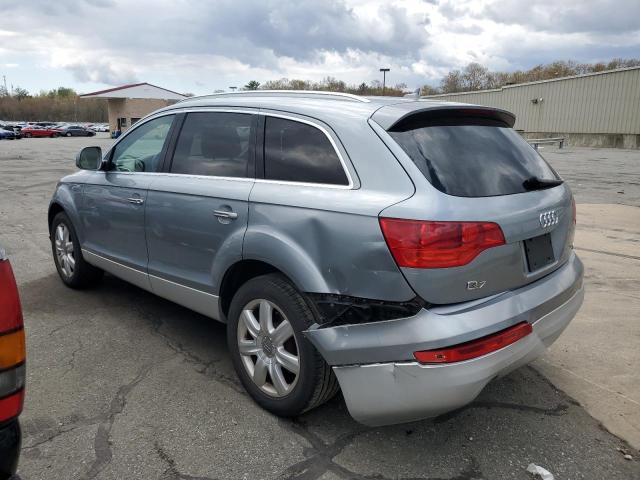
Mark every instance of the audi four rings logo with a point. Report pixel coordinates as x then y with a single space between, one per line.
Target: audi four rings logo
549 219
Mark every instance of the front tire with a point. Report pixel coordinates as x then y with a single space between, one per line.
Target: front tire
68 134
276 364
74 271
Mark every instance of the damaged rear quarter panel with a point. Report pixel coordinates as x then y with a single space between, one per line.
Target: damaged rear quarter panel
328 240
325 251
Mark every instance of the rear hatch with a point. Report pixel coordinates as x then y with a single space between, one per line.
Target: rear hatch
489 214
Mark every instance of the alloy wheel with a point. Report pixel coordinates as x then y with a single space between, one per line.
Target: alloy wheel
64 250
268 347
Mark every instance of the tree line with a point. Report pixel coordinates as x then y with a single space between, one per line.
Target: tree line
330 84
64 104
472 77
61 105
477 77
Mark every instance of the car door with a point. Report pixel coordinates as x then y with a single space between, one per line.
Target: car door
114 202
197 212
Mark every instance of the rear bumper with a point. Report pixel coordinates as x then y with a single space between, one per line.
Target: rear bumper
10 441
386 386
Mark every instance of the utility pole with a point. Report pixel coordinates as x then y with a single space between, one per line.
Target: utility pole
384 77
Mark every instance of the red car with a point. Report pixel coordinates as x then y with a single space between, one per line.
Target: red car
12 369
29 132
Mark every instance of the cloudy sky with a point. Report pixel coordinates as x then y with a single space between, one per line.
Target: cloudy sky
197 46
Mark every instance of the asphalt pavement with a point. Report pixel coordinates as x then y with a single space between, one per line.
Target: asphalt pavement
125 385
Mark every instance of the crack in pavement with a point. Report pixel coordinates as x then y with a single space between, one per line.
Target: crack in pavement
71 364
603 252
320 458
172 472
207 369
52 437
102 441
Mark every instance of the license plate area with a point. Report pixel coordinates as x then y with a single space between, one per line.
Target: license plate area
539 252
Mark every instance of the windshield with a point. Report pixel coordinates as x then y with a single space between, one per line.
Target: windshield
474 160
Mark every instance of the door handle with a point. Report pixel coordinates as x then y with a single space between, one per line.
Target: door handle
135 200
225 214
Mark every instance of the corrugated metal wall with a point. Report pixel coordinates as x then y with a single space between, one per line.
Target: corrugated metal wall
606 102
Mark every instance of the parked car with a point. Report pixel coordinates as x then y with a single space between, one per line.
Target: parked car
34 131
75 131
12 369
99 128
9 135
407 252
13 129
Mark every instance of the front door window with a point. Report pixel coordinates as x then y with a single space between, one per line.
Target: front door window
142 149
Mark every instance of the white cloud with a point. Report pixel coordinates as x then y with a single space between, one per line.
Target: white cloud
201 46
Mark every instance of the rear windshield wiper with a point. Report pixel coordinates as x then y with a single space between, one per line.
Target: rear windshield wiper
535 183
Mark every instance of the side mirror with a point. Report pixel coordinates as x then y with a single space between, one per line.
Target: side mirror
89 158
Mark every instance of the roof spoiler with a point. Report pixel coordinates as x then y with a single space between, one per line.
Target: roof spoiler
392 117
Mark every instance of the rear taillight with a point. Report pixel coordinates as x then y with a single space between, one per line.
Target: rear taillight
427 244
10 310
12 345
475 348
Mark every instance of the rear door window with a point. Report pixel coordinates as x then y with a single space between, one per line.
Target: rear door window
472 158
298 152
216 144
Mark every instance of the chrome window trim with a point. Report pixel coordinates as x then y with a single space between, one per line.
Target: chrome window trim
320 127
316 124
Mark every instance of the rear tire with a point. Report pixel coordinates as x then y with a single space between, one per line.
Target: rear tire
74 271
267 365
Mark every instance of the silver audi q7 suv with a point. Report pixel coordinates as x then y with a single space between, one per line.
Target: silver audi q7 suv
404 251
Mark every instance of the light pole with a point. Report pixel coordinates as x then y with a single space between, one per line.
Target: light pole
384 77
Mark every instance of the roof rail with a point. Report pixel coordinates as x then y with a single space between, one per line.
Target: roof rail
286 93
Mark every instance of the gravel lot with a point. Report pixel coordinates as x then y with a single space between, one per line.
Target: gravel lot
123 384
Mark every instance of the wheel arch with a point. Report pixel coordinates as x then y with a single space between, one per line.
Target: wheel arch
54 209
237 275
66 199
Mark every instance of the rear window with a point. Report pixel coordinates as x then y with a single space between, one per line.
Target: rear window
297 152
472 158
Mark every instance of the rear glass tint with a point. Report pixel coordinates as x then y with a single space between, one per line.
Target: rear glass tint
297 152
472 158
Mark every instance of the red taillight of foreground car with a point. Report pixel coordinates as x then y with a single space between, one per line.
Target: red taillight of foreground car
427 244
10 310
475 348
11 406
12 345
